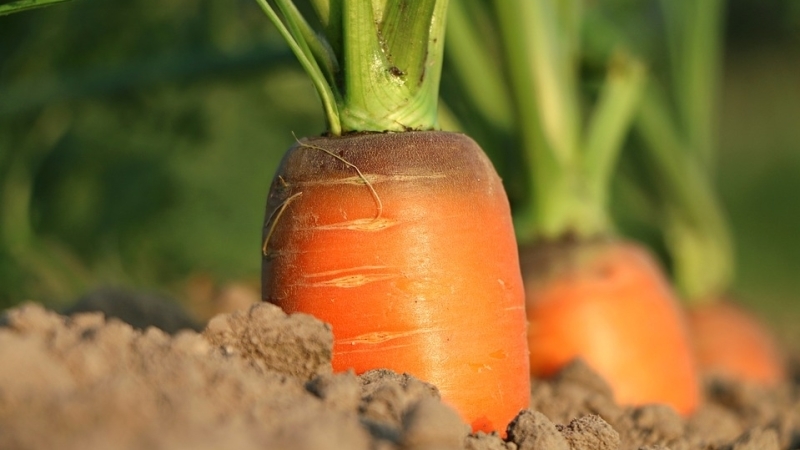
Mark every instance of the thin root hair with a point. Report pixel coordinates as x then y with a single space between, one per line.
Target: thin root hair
358 171
273 218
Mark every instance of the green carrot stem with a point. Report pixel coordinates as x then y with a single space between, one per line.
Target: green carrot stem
695 227
296 41
25 5
392 84
694 37
610 122
680 144
475 65
570 167
375 64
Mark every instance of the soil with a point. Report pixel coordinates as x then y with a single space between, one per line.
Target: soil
258 379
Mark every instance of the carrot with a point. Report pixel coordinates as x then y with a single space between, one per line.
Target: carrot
608 303
729 342
402 240
411 258
680 150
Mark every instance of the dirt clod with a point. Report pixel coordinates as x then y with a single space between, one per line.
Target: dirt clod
297 345
590 433
430 425
532 430
756 439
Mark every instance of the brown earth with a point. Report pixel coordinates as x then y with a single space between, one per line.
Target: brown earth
261 379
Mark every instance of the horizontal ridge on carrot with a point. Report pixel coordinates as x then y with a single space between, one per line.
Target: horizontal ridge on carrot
398 236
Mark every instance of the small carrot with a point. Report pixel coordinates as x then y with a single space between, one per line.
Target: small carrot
609 304
401 240
731 343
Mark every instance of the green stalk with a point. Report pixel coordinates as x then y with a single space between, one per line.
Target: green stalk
695 228
25 5
376 64
570 167
610 123
475 65
296 41
680 144
694 38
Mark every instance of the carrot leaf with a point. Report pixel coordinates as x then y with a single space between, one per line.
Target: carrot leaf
476 65
610 121
295 38
693 29
695 228
25 5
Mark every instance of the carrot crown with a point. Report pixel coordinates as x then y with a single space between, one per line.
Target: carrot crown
376 64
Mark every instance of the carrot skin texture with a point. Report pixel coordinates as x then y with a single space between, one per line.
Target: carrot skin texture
419 274
730 342
608 303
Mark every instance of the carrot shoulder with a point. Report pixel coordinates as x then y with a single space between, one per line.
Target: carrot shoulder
404 244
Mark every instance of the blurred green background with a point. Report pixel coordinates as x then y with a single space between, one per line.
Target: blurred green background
138 141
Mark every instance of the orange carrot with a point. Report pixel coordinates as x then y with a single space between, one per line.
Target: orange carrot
608 303
403 242
730 342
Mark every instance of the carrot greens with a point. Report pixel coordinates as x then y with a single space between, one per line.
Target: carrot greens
376 65
570 155
25 5
679 141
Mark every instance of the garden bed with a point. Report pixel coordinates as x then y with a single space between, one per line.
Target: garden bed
261 379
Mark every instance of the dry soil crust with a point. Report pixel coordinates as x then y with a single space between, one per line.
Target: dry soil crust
261 379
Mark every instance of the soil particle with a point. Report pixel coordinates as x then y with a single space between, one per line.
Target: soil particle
590 433
102 384
386 397
341 392
574 392
651 425
532 430
484 441
430 425
297 345
756 439
716 422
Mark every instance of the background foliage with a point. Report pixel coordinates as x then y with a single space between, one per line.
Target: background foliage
138 140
